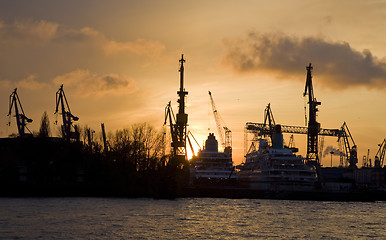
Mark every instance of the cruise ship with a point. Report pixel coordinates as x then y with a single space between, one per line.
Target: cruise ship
272 167
212 166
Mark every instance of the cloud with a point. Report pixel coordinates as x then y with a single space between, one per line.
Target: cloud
27 31
139 47
30 83
5 84
338 65
86 83
42 32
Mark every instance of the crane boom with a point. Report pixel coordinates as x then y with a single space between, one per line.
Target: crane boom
224 132
21 119
67 116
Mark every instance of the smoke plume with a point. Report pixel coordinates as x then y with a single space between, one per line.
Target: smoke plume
337 64
334 151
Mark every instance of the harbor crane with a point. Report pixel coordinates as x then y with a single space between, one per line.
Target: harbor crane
313 130
224 132
345 139
189 137
178 124
67 116
21 119
268 116
380 156
366 159
313 125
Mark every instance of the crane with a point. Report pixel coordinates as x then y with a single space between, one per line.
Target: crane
224 132
169 114
67 116
345 138
291 144
380 156
268 116
189 136
178 123
21 119
313 125
366 162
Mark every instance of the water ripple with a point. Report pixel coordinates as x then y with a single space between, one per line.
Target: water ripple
190 218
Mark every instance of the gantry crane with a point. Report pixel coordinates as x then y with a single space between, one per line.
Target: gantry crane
313 125
21 119
380 156
224 132
313 130
67 116
178 125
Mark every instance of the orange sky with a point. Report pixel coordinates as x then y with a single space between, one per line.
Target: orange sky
118 61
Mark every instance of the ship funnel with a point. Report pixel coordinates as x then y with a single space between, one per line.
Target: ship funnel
211 144
277 138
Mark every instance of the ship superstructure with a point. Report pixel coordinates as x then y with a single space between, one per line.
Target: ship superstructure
272 167
212 166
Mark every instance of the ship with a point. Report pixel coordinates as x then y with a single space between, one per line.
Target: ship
269 166
211 166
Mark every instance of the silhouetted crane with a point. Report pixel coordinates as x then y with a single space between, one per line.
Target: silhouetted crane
178 124
21 119
380 156
313 125
67 116
268 117
224 132
349 146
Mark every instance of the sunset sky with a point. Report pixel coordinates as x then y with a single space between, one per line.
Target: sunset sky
118 62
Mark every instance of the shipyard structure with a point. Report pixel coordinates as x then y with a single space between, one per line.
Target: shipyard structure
46 166
272 169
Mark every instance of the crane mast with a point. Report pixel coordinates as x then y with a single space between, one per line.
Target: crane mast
224 132
178 123
313 125
21 119
67 116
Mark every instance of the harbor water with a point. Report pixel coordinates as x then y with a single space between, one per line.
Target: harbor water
189 218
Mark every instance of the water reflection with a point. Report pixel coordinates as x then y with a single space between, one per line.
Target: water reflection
196 218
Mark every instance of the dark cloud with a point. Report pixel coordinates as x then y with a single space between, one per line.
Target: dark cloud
338 65
42 32
86 83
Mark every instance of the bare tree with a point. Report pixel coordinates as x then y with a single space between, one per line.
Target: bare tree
45 130
140 146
